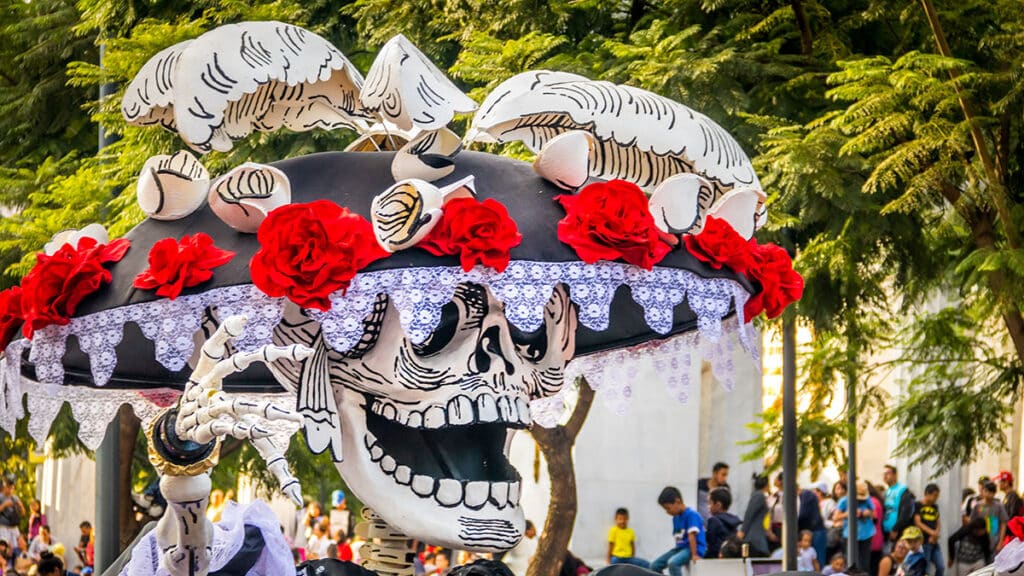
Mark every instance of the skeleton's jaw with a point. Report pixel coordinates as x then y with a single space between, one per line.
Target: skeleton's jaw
448 485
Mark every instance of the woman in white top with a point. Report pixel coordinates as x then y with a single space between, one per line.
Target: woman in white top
825 503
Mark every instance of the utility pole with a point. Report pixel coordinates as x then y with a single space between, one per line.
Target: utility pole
789 434
851 472
108 496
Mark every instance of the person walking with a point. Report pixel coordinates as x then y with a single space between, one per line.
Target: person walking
754 531
863 513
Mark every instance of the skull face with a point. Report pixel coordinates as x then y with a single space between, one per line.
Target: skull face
425 428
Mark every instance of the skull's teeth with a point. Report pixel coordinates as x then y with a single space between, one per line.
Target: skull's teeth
447 492
459 411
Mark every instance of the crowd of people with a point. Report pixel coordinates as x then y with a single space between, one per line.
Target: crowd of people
897 533
34 551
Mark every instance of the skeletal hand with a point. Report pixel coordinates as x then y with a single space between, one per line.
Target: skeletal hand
206 412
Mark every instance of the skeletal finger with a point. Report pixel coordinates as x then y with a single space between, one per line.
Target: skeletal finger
220 405
273 455
265 354
215 347
219 428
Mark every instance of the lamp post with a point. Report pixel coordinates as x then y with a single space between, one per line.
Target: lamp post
108 497
789 438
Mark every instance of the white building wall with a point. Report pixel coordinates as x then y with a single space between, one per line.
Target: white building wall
627 460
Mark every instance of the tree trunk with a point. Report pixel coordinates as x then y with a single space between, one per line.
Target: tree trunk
556 445
129 434
982 230
806 39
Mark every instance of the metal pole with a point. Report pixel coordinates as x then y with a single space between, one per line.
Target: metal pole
851 472
789 433
108 497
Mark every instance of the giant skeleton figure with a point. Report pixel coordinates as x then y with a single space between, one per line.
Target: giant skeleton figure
415 390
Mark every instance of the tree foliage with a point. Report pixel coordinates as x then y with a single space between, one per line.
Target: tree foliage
887 134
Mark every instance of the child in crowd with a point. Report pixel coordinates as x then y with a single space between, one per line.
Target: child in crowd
915 564
721 524
837 565
688 529
622 542
807 556
926 517
994 514
969 548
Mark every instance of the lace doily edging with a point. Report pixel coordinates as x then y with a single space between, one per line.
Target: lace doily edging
418 294
94 408
676 361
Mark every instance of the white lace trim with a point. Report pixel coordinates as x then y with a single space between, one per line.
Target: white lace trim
170 324
675 360
93 408
417 293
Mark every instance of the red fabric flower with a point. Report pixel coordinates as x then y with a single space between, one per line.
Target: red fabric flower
307 251
57 284
780 284
10 315
610 220
479 232
1014 530
177 264
719 245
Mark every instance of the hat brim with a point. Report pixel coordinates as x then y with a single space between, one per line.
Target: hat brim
352 180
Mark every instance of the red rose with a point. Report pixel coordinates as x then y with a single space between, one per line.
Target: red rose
174 264
610 220
10 315
308 251
57 284
780 284
719 245
479 232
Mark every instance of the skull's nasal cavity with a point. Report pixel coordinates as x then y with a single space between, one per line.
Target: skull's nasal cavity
488 349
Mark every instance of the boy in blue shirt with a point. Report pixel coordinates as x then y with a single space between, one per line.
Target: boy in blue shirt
688 529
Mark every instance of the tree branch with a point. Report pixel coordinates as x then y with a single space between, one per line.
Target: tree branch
995 183
579 413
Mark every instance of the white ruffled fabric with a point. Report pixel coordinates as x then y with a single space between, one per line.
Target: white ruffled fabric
1010 560
228 537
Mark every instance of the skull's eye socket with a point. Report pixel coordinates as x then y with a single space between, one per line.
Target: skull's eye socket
532 346
443 334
